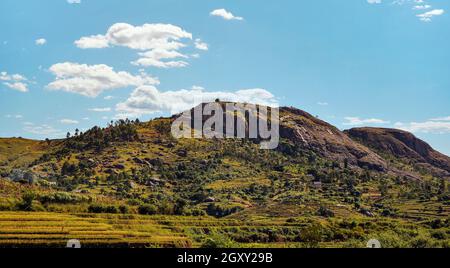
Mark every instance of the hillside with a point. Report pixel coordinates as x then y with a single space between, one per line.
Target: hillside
312 134
403 145
18 152
318 177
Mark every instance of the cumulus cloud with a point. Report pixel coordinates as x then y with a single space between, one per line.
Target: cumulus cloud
446 118
199 44
148 100
356 121
100 110
428 16
158 42
93 41
155 58
434 127
41 42
16 116
145 37
223 13
43 130
421 7
68 122
15 81
92 80
74 1
417 5
19 86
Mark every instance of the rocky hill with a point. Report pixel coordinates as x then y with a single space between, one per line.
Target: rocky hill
404 146
315 169
311 133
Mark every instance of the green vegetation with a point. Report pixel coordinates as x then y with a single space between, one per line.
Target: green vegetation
132 185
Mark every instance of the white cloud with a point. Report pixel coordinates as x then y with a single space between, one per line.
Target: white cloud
19 86
421 7
92 80
417 5
4 76
157 41
41 130
195 87
17 116
74 1
446 118
108 97
68 122
356 121
41 42
145 37
148 100
100 110
434 127
199 44
321 103
15 81
154 58
223 13
94 41
439 125
428 16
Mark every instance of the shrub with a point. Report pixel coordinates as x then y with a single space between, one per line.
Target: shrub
312 235
95 208
218 210
198 212
148 210
325 212
62 198
421 242
26 203
219 241
5 207
124 209
111 209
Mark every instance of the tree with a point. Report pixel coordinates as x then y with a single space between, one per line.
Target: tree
312 235
68 135
47 140
345 163
27 201
442 186
147 210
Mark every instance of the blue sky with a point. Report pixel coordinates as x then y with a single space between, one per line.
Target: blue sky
353 63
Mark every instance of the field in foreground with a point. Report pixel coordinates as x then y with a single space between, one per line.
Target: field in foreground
132 184
42 229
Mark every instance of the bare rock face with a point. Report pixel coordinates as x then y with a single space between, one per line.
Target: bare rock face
402 145
18 175
326 140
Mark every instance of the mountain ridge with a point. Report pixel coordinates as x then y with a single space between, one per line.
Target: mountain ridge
363 147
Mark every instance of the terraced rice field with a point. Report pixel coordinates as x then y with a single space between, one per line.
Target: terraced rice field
38 229
420 210
54 230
